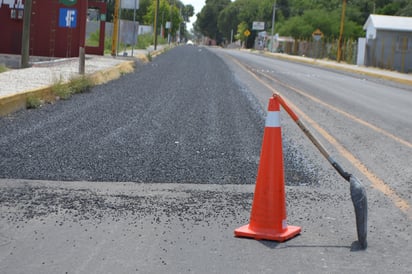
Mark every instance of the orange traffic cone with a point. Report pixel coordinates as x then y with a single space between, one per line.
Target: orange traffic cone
268 216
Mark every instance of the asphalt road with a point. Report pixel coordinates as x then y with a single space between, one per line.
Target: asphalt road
371 118
151 173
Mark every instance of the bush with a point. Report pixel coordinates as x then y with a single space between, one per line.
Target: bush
3 68
75 85
61 90
80 84
33 102
93 39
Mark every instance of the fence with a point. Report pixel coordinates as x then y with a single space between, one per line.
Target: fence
394 52
387 52
324 48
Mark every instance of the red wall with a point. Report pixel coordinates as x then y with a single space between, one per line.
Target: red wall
46 37
10 32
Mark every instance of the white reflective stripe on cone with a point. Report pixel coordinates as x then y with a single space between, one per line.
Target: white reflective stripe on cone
272 119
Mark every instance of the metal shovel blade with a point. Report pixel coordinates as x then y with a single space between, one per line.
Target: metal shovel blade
360 203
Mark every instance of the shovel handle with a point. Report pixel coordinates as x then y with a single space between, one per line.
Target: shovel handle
311 137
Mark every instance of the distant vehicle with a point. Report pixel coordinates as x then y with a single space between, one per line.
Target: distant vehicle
189 42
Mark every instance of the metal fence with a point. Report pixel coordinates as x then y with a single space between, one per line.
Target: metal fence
321 49
392 53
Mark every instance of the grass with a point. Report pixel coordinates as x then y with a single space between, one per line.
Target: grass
33 102
80 84
143 42
75 85
3 68
149 56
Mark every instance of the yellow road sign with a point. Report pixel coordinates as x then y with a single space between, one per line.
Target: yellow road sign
246 33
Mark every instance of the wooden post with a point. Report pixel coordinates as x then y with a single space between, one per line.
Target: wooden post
25 43
82 60
155 24
115 27
342 23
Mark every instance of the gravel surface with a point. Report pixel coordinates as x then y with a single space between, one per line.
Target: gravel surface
186 130
181 118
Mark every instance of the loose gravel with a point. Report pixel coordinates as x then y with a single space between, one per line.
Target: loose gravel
181 118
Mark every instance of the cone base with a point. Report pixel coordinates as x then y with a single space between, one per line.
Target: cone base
268 234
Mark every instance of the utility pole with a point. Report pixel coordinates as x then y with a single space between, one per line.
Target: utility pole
342 24
134 26
115 36
25 43
273 25
155 24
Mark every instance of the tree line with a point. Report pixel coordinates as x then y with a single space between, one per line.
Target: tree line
173 11
218 19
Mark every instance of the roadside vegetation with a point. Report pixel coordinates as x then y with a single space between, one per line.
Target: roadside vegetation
293 18
75 85
3 68
62 90
33 102
143 42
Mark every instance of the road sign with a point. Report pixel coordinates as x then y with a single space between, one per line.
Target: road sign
246 33
129 4
67 18
258 25
317 34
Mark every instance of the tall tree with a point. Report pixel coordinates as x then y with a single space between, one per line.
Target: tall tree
167 13
207 19
228 21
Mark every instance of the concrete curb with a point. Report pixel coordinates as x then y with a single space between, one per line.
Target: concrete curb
18 101
15 102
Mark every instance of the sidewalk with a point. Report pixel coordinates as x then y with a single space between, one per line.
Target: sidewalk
17 85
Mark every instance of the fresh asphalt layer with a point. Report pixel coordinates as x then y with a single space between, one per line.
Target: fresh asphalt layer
174 120
152 172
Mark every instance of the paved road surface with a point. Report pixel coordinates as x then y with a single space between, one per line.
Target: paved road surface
152 173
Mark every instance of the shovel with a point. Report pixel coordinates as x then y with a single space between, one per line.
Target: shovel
357 190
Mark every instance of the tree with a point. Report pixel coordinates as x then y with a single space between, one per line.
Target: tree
208 17
187 12
167 13
228 21
241 28
297 18
128 14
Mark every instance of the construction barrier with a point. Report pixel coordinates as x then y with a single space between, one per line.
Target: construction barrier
268 215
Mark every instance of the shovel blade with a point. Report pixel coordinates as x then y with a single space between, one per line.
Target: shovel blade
360 203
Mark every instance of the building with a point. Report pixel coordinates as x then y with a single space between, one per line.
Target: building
57 28
388 43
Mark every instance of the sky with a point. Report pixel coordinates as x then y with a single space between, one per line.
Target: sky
198 5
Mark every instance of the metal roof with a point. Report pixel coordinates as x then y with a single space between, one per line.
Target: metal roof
387 22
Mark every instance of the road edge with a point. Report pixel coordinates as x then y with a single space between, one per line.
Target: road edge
18 101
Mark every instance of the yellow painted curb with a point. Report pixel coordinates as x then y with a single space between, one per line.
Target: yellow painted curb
15 102
106 75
